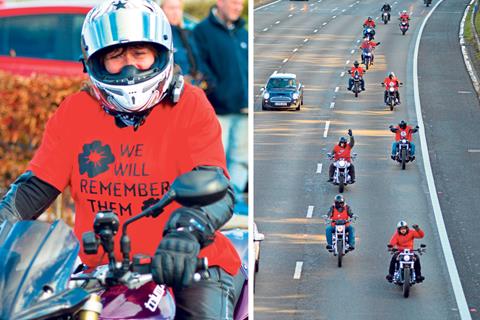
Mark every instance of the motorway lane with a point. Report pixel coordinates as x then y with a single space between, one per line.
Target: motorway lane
288 148
450 105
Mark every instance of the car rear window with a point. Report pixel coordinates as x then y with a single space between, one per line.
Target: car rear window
48 36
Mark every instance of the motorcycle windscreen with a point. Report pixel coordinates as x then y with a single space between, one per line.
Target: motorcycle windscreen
34 256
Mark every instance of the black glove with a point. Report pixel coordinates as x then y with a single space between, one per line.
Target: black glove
417 127
391 126
175 260
350 132
416 227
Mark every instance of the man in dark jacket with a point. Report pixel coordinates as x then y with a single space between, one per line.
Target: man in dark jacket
185 49
223 45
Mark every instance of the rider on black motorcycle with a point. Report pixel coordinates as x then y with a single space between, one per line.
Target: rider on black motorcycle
404 238
386 8
136 112
391 78
403 127
342 150
356 68
340 211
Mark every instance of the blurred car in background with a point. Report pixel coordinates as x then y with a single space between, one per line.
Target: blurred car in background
41 38
44 37
282 91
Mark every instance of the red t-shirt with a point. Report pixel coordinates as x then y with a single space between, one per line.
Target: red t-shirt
340 152
119 169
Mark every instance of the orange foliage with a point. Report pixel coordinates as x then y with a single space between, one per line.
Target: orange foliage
26 103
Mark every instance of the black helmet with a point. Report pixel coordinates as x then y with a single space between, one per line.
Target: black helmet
369 18
342 140
339 201
355 63
402 124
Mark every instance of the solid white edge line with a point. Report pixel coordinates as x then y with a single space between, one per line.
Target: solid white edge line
332 105
298 270
319 167
267 5
473 150
310 212
327 125
447 250
251 254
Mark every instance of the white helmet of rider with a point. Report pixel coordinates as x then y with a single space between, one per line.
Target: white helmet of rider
402 224
391 74
404 12
115 23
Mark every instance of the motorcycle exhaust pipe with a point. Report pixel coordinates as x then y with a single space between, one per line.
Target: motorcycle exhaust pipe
91 309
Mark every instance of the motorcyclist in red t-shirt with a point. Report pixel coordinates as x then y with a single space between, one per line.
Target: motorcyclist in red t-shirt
369 23
407 131
137 111
342 150
404 17
340 211
356 68
391 79
370 45
403 238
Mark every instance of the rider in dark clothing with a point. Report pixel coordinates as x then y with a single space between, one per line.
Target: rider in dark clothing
386 8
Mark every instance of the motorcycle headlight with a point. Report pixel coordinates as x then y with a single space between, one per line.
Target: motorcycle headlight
341 163
406 258
295 96
340 228
392 89
404 141
266 95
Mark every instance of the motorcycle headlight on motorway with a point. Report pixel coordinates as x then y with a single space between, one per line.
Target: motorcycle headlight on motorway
392 89
340 228
406 258
295 96
266 95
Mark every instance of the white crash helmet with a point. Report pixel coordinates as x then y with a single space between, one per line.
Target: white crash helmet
404 12
402 224
391 74
117 22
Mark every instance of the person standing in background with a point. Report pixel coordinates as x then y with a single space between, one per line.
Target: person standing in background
223 45
185 49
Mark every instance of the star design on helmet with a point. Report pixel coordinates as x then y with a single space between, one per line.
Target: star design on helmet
119 5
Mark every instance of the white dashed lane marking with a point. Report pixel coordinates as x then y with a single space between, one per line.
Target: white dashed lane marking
295 50
319 167
285 60
325 132
324 24
298 270
337 88
332 105
266 29
310 212
342 74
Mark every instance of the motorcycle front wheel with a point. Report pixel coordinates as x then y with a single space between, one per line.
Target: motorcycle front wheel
404 157
341 184
406 282
340 253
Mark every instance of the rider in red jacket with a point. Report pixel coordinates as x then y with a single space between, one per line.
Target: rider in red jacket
402 239
356 68
369 23
368 44
340 211
342 150
403 130
404 16
391 79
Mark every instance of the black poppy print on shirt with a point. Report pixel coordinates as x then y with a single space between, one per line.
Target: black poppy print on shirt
95 158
